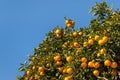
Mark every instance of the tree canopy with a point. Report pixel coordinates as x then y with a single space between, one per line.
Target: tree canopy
91 53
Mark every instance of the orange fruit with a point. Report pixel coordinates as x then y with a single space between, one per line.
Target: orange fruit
84 64
57 58
42 73
84 59
96 64
80 33
31 78
58 35
60 69
96 38
33 68
33 58
91 64
69 58
59 63
36 76
90 37
75 44
64 71
103 51
90 42
107 62
28 72
40 69
75 34
114 73
105 32
105 39
65 43
68 78
96 73
64 46
47 65
98 54
70 70
85 44
72 22
67 21
114 65
58 31
101 42
69 25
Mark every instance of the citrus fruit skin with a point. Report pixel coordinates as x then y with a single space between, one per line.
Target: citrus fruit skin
69 25
58 31
72 22
28 72
69 70
114 65
57 58
67 21
33 58
84 59
85 44
114 73
33 68
80 33
68 78
96 73
59 63
83 65
103 51
96 38
69 58
36 76
107 63
90 42
96 65
75 34
40 69
91 64
100 42
105 39
58 36
64 71
75 44
105 32
60 69
42 74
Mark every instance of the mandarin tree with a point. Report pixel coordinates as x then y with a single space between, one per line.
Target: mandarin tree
91 53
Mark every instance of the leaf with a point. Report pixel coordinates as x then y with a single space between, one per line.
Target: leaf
21 68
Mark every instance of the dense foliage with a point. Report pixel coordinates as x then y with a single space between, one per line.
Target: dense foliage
91 53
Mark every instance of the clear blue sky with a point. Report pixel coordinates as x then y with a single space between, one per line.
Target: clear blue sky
24 23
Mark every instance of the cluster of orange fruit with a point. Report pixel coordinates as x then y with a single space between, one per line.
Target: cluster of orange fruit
96 65
103 40
96 38
58 33
90 64
68 70
69 23
58 60
40 71
75 34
